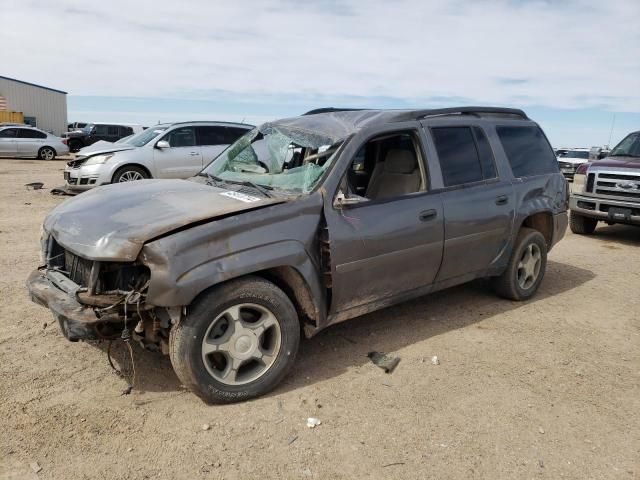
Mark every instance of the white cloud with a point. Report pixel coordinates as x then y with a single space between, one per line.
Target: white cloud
581 53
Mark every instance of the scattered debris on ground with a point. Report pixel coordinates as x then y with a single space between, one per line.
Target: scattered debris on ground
34 185
385 362
313 422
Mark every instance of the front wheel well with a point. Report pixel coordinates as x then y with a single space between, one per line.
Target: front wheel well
119 169
543 223
292 283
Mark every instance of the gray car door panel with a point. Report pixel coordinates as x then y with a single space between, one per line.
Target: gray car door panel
478 223
381 250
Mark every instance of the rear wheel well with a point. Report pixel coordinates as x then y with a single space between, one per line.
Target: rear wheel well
142 167
542 222
289 280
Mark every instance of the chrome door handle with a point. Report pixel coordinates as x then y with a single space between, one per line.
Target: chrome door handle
194 154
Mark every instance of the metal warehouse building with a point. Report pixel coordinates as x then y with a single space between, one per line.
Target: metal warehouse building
42 107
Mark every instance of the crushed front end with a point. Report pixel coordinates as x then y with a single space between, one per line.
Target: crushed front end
94 300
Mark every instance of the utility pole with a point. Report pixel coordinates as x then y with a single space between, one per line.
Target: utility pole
613 122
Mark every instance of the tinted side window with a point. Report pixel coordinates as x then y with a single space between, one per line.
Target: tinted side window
9 133
233 133
487 162
181 137
210 135
26 133
528 151
113 130
99 130
458 155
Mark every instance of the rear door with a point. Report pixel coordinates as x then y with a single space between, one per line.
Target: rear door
478 204
183 159
212 141
8 144
29 141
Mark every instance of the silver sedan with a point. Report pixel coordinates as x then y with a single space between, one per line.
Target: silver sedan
30 142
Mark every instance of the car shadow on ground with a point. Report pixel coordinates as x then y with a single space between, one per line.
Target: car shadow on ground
609 235
346 345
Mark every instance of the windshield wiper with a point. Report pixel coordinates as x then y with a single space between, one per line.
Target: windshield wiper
210 178
261 188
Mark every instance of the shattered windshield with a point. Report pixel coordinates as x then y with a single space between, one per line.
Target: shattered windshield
276 157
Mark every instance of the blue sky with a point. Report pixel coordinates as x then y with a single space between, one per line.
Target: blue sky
145 61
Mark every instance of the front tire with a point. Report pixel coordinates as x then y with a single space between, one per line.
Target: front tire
526 267
238 341
129 173
46 153
582 225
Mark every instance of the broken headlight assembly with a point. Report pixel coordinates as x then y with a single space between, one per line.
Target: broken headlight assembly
98 159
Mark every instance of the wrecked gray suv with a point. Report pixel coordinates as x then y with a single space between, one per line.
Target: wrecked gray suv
300 224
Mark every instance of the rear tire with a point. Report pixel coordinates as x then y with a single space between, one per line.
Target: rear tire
46 153
526 267
219 350
582 225
129 173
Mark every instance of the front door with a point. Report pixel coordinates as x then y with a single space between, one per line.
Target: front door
183 158
8 145
390 242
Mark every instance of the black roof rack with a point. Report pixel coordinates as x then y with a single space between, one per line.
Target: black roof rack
475 111
330 110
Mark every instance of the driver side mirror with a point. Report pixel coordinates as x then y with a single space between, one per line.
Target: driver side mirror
342 201
162 144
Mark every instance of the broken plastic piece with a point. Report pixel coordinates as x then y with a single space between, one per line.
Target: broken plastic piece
385 362
313 422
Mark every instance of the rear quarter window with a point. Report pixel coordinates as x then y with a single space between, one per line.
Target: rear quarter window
527 150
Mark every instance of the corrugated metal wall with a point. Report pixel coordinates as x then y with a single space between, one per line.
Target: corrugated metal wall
48 107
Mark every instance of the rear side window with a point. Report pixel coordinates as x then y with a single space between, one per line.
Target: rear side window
210 135
484 152
232 134
528 151
26 133
461 160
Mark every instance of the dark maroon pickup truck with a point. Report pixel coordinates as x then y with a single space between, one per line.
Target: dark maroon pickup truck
608 190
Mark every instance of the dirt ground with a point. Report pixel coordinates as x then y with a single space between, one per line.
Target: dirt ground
548 388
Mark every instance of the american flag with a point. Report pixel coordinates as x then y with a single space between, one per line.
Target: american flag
3 103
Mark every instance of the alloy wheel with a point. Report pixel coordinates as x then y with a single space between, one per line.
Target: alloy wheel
130 176
529 266
241 344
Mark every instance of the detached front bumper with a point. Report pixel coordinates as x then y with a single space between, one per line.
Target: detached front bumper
57 293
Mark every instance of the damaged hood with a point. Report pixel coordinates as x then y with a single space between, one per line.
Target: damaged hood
103 147
113 222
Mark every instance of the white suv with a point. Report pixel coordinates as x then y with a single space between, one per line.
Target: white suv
171 150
